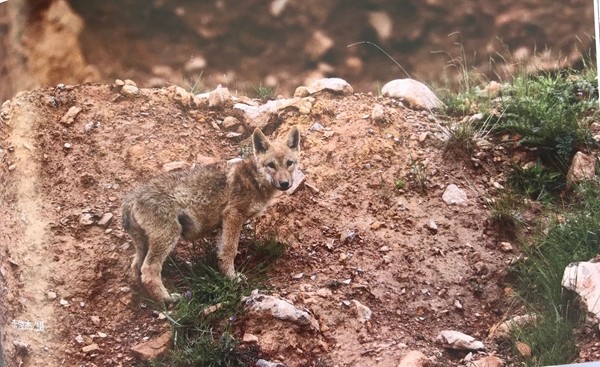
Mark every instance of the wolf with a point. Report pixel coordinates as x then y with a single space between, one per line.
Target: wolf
191 204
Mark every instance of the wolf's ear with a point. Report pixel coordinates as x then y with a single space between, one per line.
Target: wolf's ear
293 139
260 142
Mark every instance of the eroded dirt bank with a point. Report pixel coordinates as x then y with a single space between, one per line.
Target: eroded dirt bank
352 220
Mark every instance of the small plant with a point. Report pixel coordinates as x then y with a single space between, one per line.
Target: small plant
400 184
536 182
195 83
539 279
204 318
418 175
506 213
264 93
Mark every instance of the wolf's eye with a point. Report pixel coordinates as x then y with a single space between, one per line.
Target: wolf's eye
289 162
271 165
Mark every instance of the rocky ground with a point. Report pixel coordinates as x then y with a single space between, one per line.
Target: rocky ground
371 225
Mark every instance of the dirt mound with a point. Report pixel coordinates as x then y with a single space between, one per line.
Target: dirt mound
369 219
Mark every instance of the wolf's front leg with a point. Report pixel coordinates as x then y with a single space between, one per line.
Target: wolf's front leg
228 245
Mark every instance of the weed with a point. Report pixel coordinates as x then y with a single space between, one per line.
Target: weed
418 175
547 110
204 319
195 83
539 279
506 213
536 182
400 184
264 93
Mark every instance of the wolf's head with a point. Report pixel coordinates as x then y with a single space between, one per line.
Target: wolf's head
277 160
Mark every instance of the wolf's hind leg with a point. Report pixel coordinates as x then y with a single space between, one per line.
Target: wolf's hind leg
159 248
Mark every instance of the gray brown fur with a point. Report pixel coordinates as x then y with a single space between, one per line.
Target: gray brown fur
191 204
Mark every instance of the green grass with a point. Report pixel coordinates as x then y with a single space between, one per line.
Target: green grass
263 92
539 279
203 322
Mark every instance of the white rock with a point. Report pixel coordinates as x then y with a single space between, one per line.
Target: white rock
583 168
250 338
457 340
416 94
195 65
51 295
584 278
218 97
79 339
363 312
382 23
265 363
338 85
105 219
299 177
129 90
378 114
277 7
262 304
69 117
503 329
454 196
318 45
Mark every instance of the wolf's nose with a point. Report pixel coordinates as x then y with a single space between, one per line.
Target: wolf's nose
284 185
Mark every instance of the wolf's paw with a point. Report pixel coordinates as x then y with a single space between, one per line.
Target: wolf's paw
174 298
239 277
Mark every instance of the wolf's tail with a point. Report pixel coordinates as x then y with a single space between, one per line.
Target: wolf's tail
127 215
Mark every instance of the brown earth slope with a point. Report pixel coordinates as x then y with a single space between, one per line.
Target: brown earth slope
63 270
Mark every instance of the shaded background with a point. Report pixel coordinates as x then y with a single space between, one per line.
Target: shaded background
283 43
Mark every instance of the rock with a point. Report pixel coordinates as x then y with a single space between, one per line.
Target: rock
506 247
378 114
105 219
489 361
324 292
318 45
67 146
69 117
336 85
90 348
432 225
382 24
414 358
63 302
51 295
130 90
22 348
152 348
182 96
454 196
584 278
523 349
363 312
249 338
265 363
86 219
583 168
301 92
416 94
298 177
79 339
230 122
457 340
261 305
503 329
277 7
12 167
195 65
172 166
95 320
219 97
